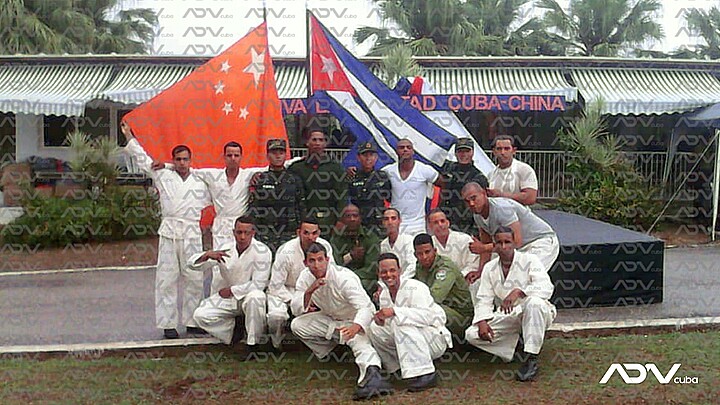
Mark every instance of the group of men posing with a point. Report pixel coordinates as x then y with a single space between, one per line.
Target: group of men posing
396 302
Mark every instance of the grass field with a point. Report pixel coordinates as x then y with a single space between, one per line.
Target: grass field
571 369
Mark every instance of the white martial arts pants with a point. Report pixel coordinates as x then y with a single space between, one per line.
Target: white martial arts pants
410 349
173 279
319 332
217 316
546 249
534 316
277 317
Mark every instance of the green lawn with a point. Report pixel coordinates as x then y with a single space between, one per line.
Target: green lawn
570 371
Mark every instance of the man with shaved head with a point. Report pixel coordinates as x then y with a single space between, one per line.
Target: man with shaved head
355 247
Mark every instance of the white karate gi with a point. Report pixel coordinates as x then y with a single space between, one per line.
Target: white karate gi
457 249
534 313
404 250
247 276
342 302
410 340
289 263
519 176
181 202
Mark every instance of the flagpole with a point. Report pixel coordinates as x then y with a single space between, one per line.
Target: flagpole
264 3
309 56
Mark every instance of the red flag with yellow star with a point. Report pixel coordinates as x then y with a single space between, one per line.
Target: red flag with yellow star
232 97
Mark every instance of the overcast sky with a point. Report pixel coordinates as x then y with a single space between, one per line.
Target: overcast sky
207 27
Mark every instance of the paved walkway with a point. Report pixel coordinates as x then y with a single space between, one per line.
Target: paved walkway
91 307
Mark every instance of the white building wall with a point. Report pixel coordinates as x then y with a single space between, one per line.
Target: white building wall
29 139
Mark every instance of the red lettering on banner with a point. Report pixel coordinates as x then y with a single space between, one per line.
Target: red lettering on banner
299 107
320 110
514 103
495 103
454 102
527 103
480 103
557 103
429 103
415 102
543 102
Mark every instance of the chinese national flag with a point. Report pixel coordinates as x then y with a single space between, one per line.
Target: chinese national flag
232 97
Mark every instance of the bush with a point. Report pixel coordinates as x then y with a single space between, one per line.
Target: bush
118 213
603 185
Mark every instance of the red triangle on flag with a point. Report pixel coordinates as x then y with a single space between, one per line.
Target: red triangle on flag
327 72
232 97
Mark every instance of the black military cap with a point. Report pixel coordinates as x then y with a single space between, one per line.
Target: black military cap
276 144
466 143
367 147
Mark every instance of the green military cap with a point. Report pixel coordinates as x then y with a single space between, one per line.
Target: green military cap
466 143
276 144
367 147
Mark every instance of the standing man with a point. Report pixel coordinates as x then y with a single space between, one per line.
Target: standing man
289 263
183 195
454 245
400 244
370 189
332 308
324 181
409 329
356 248
532 234
277 199
520 282
454 176
447 285
511 178
244 268
412 184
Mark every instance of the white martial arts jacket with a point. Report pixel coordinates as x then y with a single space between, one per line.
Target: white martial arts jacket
404 250
415 306
289 262
457 249
243 273
181 201
526 272
342 298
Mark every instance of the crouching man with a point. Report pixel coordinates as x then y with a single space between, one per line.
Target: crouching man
409 329
332 308
245 269
522 287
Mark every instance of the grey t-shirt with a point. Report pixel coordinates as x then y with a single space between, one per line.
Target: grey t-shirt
504 211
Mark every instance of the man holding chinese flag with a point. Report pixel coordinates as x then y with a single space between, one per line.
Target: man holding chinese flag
230 98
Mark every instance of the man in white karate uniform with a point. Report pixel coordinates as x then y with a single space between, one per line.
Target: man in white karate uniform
409 329
183 196
289 263
454 245
244 267
400 244
332 308
511 178
518 285
531 233
412 184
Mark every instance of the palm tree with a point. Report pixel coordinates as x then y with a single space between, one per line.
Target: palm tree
603 27
73 26
707 25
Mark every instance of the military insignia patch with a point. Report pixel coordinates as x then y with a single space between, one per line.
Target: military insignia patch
441 275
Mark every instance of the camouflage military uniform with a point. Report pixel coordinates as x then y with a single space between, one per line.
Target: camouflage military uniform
455 176
450 290
278 206
325 189
369 191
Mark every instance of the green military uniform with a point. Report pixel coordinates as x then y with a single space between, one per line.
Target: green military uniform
455 176
365 268
450 290
277 205
369 191
325 189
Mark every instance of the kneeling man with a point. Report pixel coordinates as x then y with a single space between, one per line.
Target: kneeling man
332 308
409 329
245 271
522 287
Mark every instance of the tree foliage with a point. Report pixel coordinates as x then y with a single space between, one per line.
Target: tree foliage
74 27
707 25
603 27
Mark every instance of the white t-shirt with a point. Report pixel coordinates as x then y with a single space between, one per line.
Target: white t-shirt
513 179
409 196
504 211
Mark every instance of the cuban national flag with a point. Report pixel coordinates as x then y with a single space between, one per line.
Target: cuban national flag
368 108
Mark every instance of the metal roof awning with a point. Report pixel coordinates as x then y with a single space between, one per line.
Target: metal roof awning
500 81
645 91
51 89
